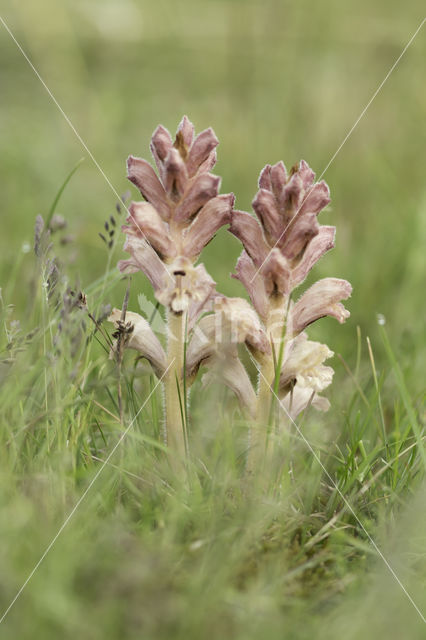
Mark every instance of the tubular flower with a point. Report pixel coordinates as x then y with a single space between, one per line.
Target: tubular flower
140 336
182 209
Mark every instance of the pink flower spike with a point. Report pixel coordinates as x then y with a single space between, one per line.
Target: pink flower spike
214 214
200 150
199 191
322 299
144 220
142 175
316 248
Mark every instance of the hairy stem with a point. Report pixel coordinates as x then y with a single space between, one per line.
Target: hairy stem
269 369
174 386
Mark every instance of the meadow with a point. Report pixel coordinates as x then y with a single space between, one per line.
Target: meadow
335 545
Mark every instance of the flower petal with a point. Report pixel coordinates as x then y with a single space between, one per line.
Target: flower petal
199 191
246 272
291 197
222 360
185 287
306 174
229 369
322 299
202 344
238 322
315 249
144 220
278 179
299 233
200 150
315 199
265 207
204 288
186 129
265 178
301 397
208 163
161 143
139 335
143 258
246 228
214 214
142 175
276 273
175 176
303 365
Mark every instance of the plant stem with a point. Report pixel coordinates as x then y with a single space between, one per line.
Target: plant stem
275 327
174 387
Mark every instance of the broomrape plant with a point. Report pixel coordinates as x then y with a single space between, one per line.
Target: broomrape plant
165 235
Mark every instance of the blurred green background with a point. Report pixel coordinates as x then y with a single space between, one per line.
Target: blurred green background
276 80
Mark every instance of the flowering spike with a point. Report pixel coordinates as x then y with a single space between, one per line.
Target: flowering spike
279 251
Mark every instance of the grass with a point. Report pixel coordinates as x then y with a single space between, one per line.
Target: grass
147 555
